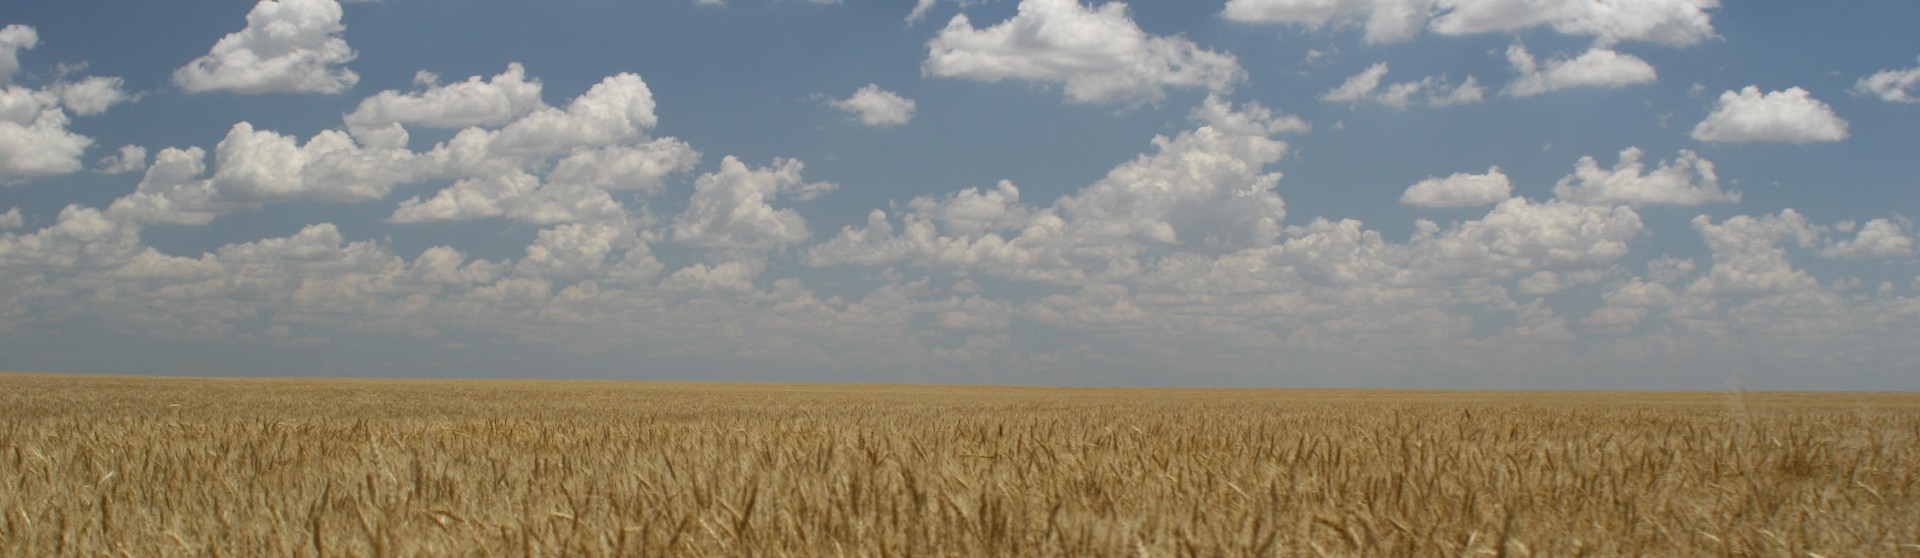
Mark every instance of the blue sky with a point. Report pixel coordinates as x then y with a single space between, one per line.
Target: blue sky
1418 193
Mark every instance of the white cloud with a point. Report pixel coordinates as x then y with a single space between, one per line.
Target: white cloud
725 277
619 108
80 238
577 191
130 158
506 96
620 168
574 250
731 207
877 107
600 139
265 166
1359 86
92 95
1670 22
1891 85
1879 238
1598 67
1181 255
447 266
13 39
1686 180
1386 20
173 190
1099 54
606 124
1252 118
1441 94
542 165
1747 257
1460 190
471 198
34 140
1521 236
1366 87
920 9
971 212
1205 189
287 46
1792 115
1628 304
989 230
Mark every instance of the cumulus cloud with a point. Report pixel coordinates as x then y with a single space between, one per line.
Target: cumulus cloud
1205 189
1098 53
578 189
625 167
1792 116
733 277
1183 254
1598 67
877 107
1460 190
552 165
287 46
1669 22
919 12
174 190
1250 119
34 140
516 157
1366 87
1519 236
504 97
1879 238
13 39
266 166
731 208
542 165
1385 20
1747 256
1891 85
574 250
1628 304
471 198
130 158
619 108
1688 179
92 95
990 230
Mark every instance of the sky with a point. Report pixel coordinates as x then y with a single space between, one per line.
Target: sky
1638 194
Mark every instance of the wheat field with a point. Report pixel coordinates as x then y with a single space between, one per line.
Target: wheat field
129 466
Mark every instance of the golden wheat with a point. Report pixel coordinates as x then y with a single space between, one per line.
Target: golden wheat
156 467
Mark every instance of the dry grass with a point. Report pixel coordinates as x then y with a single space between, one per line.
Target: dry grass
150 466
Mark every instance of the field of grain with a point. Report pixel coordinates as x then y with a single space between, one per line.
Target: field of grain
128 466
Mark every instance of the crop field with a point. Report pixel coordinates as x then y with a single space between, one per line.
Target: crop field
126 466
